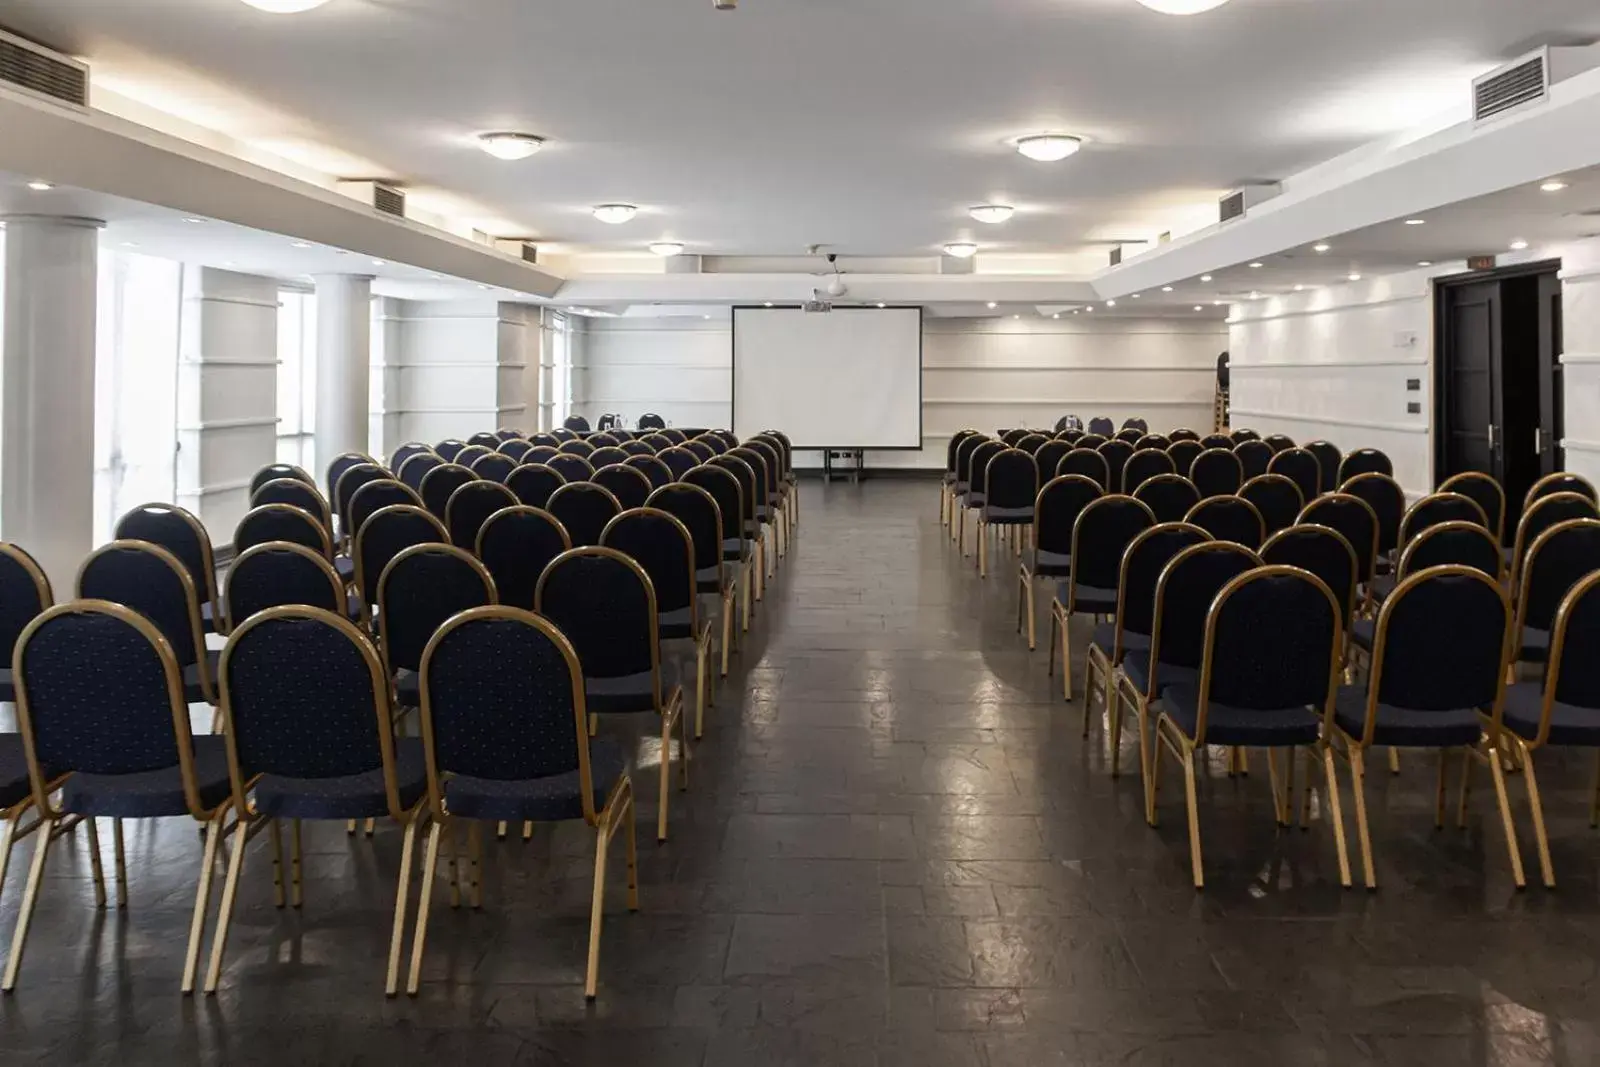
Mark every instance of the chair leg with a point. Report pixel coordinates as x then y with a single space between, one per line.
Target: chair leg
12 822
1146 752
93 843
1512 849
30 897
1152 791
1050 670
1066 668
1276 787
961 531
122 863
664 777
527 830
296 898
420 938
457 885
1195 860
1305 793
402 893
1594 799
1394 760
596 910
230 890
202 904
1335 815
1466 788
744 593
1358 786
475 862
1440 788
1113 704
983 547
1546 868
1031 609
700 656
727 630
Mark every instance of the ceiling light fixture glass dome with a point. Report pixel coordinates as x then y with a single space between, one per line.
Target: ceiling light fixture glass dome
285 7
1182 7
992 213
615 214
666 248
503 144
1049 147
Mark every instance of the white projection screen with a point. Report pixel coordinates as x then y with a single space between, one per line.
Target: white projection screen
848 378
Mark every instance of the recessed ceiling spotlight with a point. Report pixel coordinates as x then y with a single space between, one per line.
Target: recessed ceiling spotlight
1354 276
1256 265
1205 277
1016 316
193 219
1298 288
1216 303
1416 222
1089 308
992 213
1552 187
503 144
1049 147
706 317
1424 262
992 305
882 304
615 214
1182 7
961 249
1197 307
1111 303
40 187
1319 249
767 304
1135 296
1057 315
1254 295
666 249
380 263
1518 245
285 7
301 244
1166 288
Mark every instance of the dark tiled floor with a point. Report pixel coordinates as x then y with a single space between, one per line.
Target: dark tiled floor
898 850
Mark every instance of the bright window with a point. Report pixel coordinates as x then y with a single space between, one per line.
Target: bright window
560 368
135 385
297 377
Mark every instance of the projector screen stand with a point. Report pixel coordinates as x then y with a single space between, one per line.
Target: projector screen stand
851 464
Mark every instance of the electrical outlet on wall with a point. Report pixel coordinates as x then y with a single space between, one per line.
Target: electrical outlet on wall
1405 339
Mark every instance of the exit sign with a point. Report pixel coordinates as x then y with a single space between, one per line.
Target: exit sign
1481 262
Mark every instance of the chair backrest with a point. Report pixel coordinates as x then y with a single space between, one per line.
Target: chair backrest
375 496
1146 557
1105 528
1436 508
1087 463
415 469
386 533
180 533
655 471
516 448
584 509
299 494
1011 481
1273 642
532 483
651 421
701 449
1067 422
679 461
603 438
1049 457
758 462
398 458
964 450
1183 452
1128 435
1071 434
1157 441
502 700
1184 592
1032 442
1183 433
1136 423
1465 543
1559 482
1142 465
1253 457
602 600
1365 461
24 595
1328 460
484 439
516 544
1115 453
1555 561
1441 643
1483 490
1387 501
747 491
638 448
1323 551
1243 434
1216 472
496 466
449 448
1544 513
471 454
1168 496
279 573
1352 517
1229 518
1012 436
1056 510
419 589
1216 440
100 692
576 423
1091 440
572 468
1574 679
725 489
718 446
541 454
576 447
604 457
664 547
1276 497
273 471
336 468
1300 467
1102 426
470 506
148 579
281 522
509 433
697 510
1279 442
631 487
353 478
658 441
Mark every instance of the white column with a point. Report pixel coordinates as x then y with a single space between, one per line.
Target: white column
344 350
383 406
47 445
227 393
461 367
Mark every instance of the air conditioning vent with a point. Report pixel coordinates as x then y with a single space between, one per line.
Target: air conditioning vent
26 65
523 249
1524 82
1231 206
1241 200
1116 256
389 200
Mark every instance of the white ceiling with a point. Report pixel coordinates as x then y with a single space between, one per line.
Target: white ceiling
870 125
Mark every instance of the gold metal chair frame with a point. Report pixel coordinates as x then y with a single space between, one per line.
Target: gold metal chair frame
208 560
1019 532
1521 548
1441 496
1025 575
335 586
1452 484
1061 614
208 684
360 575
727 588
312 520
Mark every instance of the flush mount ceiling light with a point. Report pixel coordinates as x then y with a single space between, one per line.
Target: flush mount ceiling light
993 214
504 144
1354 276
882 304
666 248
1182 7
1424 262
961 249
1166 288
615 214
40 187
1518 245
1197 307
1552 187
1416 222
285 7
1255 266
992 305
1049 147
1319 249
1205 277
1111 303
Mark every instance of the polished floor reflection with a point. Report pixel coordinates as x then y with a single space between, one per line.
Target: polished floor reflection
897 849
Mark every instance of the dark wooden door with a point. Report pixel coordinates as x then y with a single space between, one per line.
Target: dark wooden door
1469 407
1547 438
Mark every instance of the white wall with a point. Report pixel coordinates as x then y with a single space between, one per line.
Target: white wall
461 366
1580 313
985 373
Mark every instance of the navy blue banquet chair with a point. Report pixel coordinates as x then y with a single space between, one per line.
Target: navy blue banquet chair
1091 440
749 492
304 495
1542 514
1387 502
1216 440
1559 482
702 450
1168 496
152 581
763 460
471 454
484 439
1183 452
1466 543
1329 459
631 487
274 471
1136 423
679 461
384 536
281 522
508 433
1102 426
494 467
540 454
623 436
24 595
1556 562
1012 484
419 589
715 580
1009 438
349 483
1243 434
1142 465
1483 490
1439 658
717 445
411 448
449 448
1031 442
657 472
962 477
1229 518
1216 472
1183 433
561 435
337 467
1128 435
504 730
1354 518
374 497
576 423
577 448
651 421
279 573
584 508
1130 627
977 486
780 484
516 448
1116 454
180 533
1104 529
1048 457
1365 461
415 469
947 483
1279 442
470 507
516 544
315 742
104 721
440 485
658 441
572 468
1160 442
1072 435
1276 498
1269 670
725 489
1049 554
638 448
602 439
1087 463
1324 552
1068 422
532 483
544 440
602 601
604 457
1254 456
1436 508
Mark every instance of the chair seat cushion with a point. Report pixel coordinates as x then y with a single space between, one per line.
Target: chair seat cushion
1363 632
1569 723
193 692
1228 725
1136 668
1535 645
1381 586
407 688
1105 638
551 799
13 770
151 794
1008 516
969 499
1046 564
345 568
1405 727
353 796
1089 599
675 625
208 618
628 693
